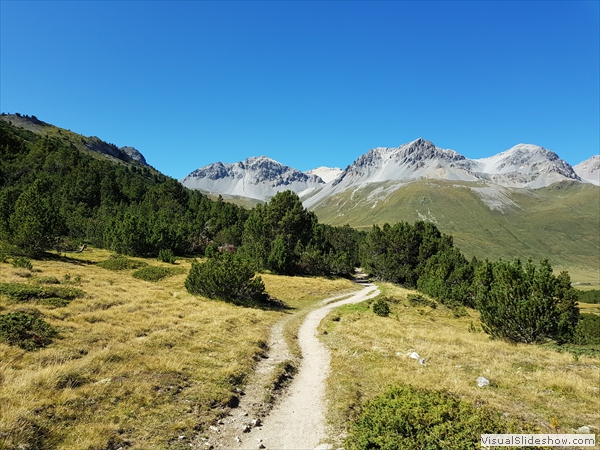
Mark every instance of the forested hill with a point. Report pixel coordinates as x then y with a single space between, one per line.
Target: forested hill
93 145
54 194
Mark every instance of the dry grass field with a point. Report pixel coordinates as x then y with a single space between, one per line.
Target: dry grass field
137 364
536 384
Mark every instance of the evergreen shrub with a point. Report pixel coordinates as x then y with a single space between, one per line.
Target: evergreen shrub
381 308
25 331
166 256
226 277
153 273
405 417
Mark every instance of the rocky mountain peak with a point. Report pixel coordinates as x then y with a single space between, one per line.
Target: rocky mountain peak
589 170
256 177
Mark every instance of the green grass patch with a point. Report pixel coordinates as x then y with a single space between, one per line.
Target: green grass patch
153 273
121 263
20 292
406 417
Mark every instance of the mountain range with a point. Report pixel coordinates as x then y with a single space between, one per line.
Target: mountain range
525 201
522 166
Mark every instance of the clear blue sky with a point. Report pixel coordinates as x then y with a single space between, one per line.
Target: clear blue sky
306 83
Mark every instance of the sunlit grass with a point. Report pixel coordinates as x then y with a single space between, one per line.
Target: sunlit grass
533 383
138 363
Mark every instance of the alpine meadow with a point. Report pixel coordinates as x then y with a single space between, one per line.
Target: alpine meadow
138 313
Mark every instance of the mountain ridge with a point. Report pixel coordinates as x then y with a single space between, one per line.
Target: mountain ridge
522 166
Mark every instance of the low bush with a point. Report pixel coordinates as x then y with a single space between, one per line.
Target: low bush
419 300
22 263
166 256
25 331
153 273
47 280
26 292
121 263
381 308
405 417
226 277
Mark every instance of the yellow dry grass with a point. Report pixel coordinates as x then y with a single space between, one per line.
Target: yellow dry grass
137 364
531 382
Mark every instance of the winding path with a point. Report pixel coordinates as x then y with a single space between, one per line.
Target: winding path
297 420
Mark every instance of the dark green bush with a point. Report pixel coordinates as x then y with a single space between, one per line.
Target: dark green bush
166 256
381 308
47 280
587 331
25 331
23 263
153 273
591 296
524 303
226 277
26 292
405 417
121 263
419 300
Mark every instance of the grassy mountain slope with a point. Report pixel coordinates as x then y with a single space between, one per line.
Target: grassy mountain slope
92 146
559 222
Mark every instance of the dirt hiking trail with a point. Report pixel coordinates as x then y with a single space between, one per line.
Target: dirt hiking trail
297 419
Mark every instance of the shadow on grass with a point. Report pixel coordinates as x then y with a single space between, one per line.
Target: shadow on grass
270 304
63 258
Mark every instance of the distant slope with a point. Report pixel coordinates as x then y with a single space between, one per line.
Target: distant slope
558 222
90 145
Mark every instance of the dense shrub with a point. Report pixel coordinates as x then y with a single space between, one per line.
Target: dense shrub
587 331
591 296
153 273
121 263
166 256
405 417
25 292
226 277
381 308
419 300
25 331
23 263
524 303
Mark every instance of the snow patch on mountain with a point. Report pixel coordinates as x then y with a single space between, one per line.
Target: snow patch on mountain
589 170
256 177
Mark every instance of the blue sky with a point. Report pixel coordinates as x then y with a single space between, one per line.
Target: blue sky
306 83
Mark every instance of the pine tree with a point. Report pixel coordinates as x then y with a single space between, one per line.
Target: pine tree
34 224
524 303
